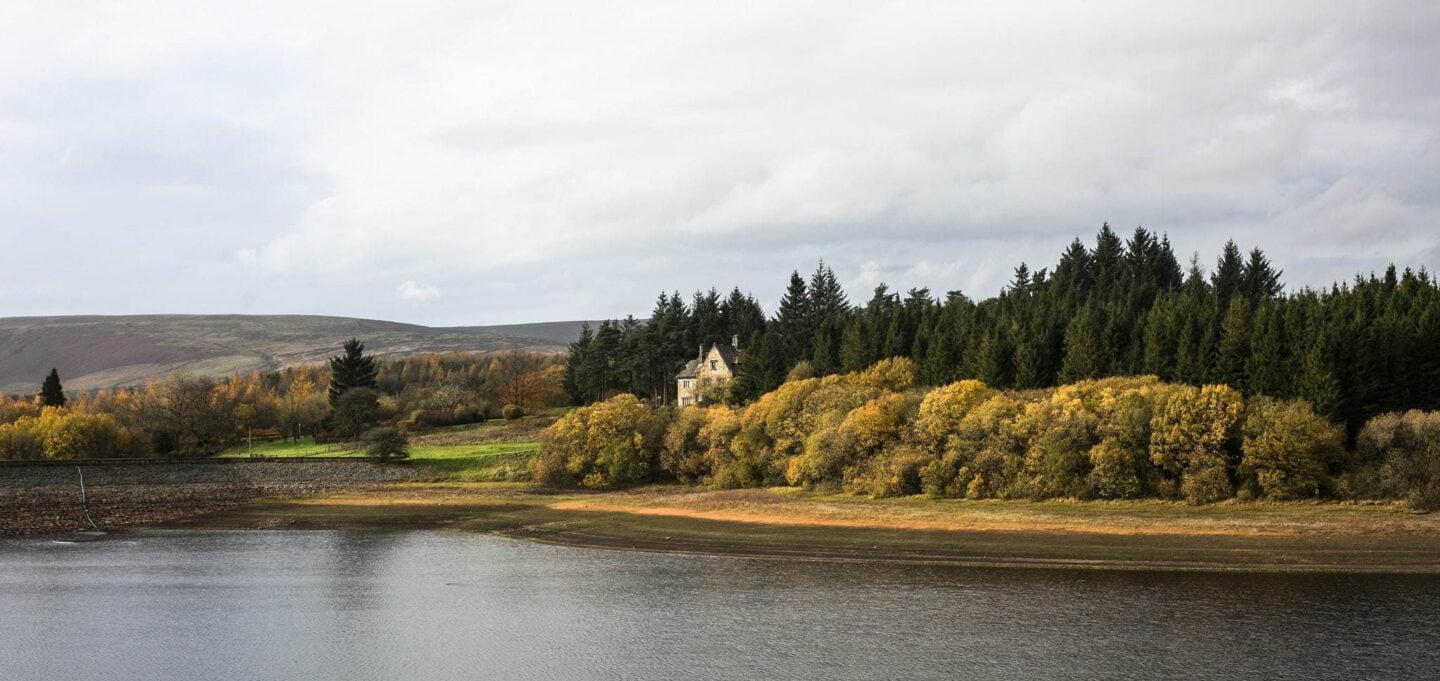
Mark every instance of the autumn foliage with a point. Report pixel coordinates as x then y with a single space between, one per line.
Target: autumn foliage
875 432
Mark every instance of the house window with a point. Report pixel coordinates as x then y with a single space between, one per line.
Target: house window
714 364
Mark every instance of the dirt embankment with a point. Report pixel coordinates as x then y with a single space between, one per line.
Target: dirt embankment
45 499
793 524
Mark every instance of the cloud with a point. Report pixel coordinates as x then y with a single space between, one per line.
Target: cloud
420 293
569 159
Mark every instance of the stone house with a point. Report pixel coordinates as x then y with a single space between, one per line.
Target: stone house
707 373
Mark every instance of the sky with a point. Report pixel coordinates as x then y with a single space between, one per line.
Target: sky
501 162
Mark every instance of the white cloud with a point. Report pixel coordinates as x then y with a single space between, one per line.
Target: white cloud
542 148
420 293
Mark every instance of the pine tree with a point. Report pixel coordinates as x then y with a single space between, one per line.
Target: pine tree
1107 259
576 385
706 326
1020 283
794 331
1229 274
996 360
825 356
52 394
827 298
1258 279
853 354
351 369
762 369
1160 340
1317 384
1234 350
1085 351
741 315
1268 371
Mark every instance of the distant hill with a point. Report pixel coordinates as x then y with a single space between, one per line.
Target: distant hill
100 352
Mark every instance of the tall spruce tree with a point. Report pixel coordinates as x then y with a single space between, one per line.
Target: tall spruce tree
577 384
1229 274
52 394
1317 384
794 331
1085 348
1234 347
351 369
1258 279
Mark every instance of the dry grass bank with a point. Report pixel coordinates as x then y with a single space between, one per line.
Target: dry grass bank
1149 535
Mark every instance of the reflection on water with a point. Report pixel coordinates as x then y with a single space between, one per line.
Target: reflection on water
431 605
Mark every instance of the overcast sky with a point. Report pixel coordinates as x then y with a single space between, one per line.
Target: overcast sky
474 163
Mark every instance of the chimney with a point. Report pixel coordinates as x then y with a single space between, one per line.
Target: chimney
701 356
735 341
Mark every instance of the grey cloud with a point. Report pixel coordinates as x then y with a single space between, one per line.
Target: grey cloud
564 160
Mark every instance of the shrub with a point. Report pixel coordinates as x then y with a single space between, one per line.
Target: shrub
58 433
1407 447
1191 436
896 471
606 444
1287 448
386 444
21 440
983 457
68 435
896 374
512 412
833 453
683 456
945 407
1061 433
1114 471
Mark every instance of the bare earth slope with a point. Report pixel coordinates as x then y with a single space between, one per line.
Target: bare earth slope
97 352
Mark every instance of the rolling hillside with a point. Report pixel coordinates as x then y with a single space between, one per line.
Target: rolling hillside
96 352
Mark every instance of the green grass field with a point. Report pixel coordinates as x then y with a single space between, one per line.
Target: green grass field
458 453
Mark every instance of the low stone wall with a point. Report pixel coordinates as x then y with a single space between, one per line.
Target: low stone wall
44 498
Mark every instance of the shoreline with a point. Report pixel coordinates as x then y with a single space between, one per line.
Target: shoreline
797 525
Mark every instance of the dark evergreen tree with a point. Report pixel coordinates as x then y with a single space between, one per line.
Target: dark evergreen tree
741 316
1317 384
1268 370
1234 349
827 298
1229 274
52 394
794 331
1085 348
351 369
577 383
1258 279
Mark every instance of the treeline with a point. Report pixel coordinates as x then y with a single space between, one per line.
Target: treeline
875 432
195 416
1116 308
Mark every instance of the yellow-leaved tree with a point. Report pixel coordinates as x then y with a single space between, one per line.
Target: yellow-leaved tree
1191 439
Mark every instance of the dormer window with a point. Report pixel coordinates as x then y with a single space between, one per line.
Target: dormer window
714 365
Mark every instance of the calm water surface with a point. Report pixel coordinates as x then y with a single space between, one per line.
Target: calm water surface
432 605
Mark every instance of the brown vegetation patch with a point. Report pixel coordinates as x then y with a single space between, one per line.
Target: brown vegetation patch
1149 517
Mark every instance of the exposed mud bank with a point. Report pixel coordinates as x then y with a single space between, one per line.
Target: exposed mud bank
47 498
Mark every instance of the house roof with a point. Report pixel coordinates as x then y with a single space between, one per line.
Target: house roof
729 353
691 370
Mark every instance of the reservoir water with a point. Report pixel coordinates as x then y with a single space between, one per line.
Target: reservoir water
261 606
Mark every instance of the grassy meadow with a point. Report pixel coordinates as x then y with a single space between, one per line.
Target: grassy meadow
494 451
